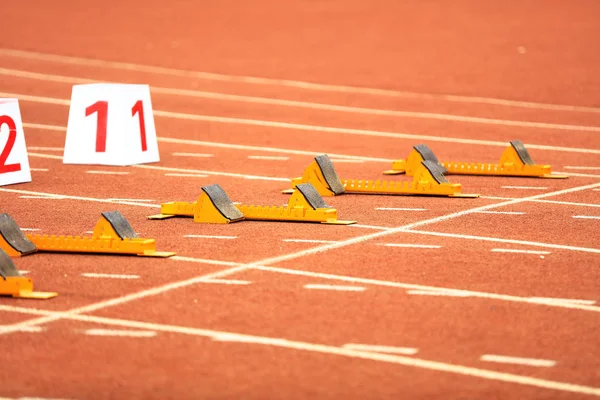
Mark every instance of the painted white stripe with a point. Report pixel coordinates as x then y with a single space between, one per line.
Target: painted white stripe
577 174
30 229
409 351
449 293
119 333
544 300
210 237
107 172
252 80
399 209
534 362
23 272
186 175
501 212
335 287
501 240
567 203
227 281
271 158
133 200
319 348
42 197
201 155
80 198
111 276
520 251
525 187
375 227
584 168
37 148
315 128
38 169
410 245
586 217
308 241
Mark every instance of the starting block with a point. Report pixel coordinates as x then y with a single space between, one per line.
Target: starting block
12 283
215 207
12 240
428 180
515 161
112 235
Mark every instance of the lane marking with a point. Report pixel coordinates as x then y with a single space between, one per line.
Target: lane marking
520 251
534 362
39 169
310 105
252 80
578 174
525 187
375 227
209 237
568 203
399 209
308 241
23 272
410 245
268 158
555 300
586 217
201 155
38 148
321 348
449 293
110 276
30 229
107 172
227 281
409 351
584 168
313 128
42 197
119 333
133 200
335 287
501 240
501 212
186 175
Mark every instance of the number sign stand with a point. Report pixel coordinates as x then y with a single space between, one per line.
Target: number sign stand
14 163
111 124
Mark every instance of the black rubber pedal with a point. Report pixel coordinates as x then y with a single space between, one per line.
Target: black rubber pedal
223 203
428 155
331 177
120 225
14 236
522 152
436 171
7 267
312 196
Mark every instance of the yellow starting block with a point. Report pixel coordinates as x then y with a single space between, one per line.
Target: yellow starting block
12 283
427 181
515 161
112 235
215 207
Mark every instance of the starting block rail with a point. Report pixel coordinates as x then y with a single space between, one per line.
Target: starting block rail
514 161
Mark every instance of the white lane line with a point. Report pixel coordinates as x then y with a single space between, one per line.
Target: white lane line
577 174
39 148
253 80
399 209
409 351
501 240
410 245
110 276
314 128
520 251
283 343
80 198
374 227
107 172
534 362
545 300
23 272
200 155
43 197
186 175
133 200
38 169
582 168
30 229
227 281
209 237
586 217
119 333
268 158
308 241
567 203
500 212
525 187
335 287
449 293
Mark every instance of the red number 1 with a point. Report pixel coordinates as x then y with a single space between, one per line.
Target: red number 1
101 107
12 136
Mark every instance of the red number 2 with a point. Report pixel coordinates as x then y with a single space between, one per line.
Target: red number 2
101 107
12 136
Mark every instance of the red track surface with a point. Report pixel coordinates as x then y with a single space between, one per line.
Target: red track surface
272 337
